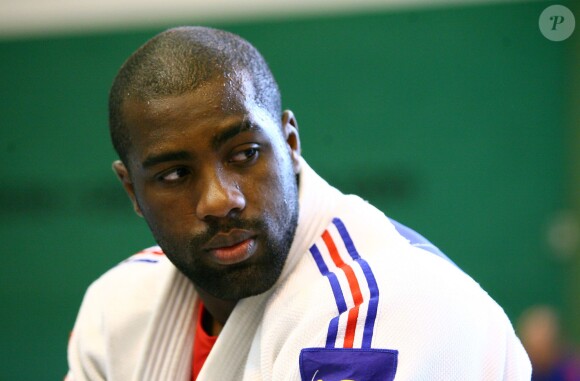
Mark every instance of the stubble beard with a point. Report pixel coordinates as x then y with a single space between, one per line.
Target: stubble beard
248 278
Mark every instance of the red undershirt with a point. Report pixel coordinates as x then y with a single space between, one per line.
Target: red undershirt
202 344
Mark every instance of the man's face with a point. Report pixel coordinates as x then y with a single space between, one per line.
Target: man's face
214 176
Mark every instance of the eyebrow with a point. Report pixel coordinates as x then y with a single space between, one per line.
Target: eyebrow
223 136
153 160
217 141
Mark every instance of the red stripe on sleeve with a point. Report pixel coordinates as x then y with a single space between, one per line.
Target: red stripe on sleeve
353 285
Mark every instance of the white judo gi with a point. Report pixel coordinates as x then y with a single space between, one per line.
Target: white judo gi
359 299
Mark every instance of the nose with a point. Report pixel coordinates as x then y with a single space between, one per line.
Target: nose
219 197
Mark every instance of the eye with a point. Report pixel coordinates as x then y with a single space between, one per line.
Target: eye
245 156
173 175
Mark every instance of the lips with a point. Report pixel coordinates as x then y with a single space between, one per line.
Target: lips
232 247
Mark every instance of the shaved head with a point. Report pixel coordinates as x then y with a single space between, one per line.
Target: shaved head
178 61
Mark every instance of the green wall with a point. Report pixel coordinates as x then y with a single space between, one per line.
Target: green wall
451 120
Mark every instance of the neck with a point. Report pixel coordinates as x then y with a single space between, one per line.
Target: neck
218 309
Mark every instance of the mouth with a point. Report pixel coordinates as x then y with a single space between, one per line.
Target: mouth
232 247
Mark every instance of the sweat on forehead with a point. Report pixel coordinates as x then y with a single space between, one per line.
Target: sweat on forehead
180 60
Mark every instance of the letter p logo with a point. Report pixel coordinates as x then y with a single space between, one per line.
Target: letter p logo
557 23
557 20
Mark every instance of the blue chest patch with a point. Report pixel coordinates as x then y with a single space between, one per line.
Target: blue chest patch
345 364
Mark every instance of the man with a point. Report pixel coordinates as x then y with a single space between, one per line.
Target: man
263 270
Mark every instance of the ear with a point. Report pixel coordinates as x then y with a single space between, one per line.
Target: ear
123 175
290 131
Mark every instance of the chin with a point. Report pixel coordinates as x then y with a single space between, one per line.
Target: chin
239 281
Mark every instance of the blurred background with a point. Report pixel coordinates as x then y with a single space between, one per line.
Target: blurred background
457 118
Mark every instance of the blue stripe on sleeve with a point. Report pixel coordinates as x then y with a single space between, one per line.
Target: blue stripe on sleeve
371 281
145 260
336 290
417 240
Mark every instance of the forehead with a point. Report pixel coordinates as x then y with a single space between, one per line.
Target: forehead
216 96
203 112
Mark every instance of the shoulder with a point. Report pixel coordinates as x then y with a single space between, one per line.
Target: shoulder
128 289
426 307
364 285
143 266
415 284
117 307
